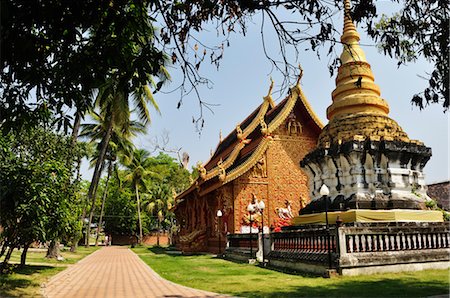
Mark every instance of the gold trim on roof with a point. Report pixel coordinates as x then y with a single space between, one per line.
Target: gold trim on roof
224 164
250 162
287 109
268 97
242 135
296 93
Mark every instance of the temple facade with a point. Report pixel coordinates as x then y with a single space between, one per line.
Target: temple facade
257 160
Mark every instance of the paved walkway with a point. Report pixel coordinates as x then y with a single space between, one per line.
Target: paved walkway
115 272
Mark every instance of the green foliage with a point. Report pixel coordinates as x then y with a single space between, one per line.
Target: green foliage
433 205
62 51
120 208
419 29
37 193
158 179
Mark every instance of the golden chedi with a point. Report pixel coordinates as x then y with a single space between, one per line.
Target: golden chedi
363 156
357 108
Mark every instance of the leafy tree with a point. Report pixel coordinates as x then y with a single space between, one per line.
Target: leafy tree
419 29
114 104
139 170
37 189
62 51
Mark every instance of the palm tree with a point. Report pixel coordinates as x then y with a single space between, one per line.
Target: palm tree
159 201
118 136
139 167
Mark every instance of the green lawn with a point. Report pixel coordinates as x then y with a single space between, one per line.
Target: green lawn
26 282
208 273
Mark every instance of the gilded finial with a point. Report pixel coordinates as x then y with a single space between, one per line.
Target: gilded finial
264 128
356 90
201 170
239 132
220 136
268 97
358 112
222 173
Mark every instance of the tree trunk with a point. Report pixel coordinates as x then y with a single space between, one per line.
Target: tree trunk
74 246
105 193
139 214
7 257
53 250
4 246
76 128
157 232
23 256
96 177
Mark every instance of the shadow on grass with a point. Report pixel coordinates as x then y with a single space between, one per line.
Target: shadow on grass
169 251
11 282
408 287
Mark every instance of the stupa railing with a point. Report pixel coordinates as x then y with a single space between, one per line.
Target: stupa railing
390 237
371 244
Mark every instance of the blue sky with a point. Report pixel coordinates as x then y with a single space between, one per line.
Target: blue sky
244 78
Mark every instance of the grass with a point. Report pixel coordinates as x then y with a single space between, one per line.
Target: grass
26 282
216 275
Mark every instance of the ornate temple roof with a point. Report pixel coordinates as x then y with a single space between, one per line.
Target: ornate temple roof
357 110
244 146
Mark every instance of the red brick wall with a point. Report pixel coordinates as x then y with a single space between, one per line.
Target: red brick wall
285 179
441 193
148 239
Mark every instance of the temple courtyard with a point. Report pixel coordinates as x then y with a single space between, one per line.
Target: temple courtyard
119 271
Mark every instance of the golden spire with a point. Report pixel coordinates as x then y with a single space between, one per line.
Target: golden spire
357 108
355 90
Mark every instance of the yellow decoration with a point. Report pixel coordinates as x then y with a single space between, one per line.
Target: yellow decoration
268 98
357 107
362 215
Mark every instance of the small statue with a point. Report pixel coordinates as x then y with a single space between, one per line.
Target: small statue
285 213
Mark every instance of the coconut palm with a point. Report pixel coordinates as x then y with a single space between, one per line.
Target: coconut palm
139 170
113 132
158 202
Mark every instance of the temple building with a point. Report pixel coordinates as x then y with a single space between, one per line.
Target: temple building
257 160
367 212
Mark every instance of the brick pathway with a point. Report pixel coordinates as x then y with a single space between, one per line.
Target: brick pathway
115 272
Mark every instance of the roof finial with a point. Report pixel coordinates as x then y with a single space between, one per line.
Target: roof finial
220 136
268 97
349 34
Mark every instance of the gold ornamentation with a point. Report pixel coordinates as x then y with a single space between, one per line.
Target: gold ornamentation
239 133
268 98
222 173
264 129
357 107
293 126
202 171
260 168
250 162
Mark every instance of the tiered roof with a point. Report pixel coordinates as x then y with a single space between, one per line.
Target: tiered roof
245 145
